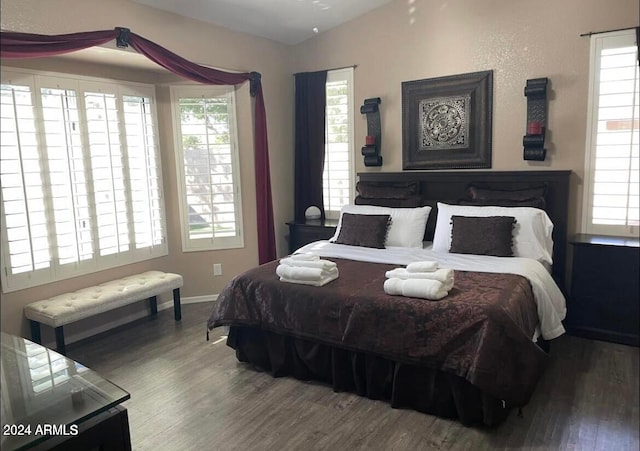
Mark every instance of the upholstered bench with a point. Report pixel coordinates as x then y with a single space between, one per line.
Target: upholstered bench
66 308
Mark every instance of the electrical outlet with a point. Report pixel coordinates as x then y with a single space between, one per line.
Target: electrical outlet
217 269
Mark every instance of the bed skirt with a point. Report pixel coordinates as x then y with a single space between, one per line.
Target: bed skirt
407 386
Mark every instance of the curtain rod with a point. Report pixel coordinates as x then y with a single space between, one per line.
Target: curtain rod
335 68
606 31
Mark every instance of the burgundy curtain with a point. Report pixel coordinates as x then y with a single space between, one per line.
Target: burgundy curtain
24 45
311 99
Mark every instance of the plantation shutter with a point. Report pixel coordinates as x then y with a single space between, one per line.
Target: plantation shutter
337 174
208 164
65 175
614 138
22 196
144 171
75 198
107 172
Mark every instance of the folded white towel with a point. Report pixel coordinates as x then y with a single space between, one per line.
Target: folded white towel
302 273
299 272
416 288
308 256
320 264
316 283
423 266
441 275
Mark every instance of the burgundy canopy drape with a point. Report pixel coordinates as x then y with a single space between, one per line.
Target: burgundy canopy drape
25 45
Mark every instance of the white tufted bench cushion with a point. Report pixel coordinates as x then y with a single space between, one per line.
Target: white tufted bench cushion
70 307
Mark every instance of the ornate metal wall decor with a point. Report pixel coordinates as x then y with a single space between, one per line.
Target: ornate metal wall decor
446 122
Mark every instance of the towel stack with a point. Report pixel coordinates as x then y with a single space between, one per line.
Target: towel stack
307 269
422 279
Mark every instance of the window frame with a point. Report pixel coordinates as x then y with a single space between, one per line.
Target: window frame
597 44
347 75
209 91
55 272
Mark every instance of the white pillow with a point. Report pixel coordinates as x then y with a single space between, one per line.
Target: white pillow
407 224
531 234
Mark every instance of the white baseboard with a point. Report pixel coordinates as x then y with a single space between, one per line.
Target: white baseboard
72 338
195 300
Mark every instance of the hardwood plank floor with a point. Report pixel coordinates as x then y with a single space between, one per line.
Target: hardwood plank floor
190 394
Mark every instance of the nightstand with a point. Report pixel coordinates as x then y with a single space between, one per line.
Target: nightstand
604 300
305 232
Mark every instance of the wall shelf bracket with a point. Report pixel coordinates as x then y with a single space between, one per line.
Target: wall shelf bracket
371 150
533 141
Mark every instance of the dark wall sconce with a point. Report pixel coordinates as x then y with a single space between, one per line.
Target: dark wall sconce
371 150
533 141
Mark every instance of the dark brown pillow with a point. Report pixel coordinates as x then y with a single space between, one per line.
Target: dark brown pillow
387 190
535 202
491 235
409 202
526 197
364 230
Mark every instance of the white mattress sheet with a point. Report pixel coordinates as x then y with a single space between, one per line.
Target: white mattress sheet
550 302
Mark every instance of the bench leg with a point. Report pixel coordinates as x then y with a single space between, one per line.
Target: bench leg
177 313
60 347
35 331
153 304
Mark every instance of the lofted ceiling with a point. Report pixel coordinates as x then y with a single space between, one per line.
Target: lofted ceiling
285 21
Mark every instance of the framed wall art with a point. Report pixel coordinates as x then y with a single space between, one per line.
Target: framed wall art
446 122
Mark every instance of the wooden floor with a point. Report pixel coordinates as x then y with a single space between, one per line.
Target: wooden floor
190 394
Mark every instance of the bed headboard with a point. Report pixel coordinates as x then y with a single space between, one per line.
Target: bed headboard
451 186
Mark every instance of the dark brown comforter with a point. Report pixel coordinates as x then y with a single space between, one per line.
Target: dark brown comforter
481 331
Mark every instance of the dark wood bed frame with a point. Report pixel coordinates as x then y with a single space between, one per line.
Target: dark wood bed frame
449 187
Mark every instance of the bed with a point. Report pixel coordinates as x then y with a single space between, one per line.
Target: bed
472 356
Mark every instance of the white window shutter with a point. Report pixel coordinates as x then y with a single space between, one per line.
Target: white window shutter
75 198
612 203
208 165
337 177
21 175
144 171
66 175
107 172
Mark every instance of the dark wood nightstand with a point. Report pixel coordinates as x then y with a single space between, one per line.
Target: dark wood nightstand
305 232
604 299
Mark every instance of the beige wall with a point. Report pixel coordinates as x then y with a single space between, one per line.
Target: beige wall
201 43
518 40
413 40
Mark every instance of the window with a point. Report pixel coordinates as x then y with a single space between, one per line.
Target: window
80 177
208 167
338 176
612 202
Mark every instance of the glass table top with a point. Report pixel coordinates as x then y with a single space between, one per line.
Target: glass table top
45 393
